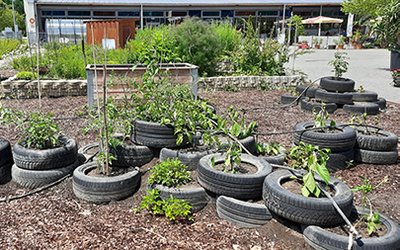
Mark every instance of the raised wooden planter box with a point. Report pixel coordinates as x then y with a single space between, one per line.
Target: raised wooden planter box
126 74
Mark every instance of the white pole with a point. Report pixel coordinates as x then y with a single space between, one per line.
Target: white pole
141 16
319 25
15 23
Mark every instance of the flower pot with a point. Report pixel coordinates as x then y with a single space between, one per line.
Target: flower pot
394 60
358 46
340 46
317 46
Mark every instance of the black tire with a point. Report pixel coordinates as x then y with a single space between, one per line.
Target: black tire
37 178
242 213
313 105
341 141
241 186
103 189
154 135
93 147
319 238
381 102
196 196
366 96
5 152
131 155
340 160
189 158
5 172
376 157
288 99
369 108
305 210
46 159
277 159
384 141
334 84
309 93
338 98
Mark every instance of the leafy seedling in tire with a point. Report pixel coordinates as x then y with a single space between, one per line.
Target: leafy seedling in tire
339 64
362 119
270 149
373 218
321 119
312 159
169 173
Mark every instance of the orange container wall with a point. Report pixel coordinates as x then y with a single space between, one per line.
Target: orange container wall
120 31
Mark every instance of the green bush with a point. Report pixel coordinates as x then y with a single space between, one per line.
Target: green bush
196 43
8 45
153 45
26 75
169 173
228 37
24 63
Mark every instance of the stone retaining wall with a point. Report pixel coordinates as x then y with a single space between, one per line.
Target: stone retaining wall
21 89
243 82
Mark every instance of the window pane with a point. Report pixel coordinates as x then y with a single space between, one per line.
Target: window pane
104 13
211 13
78 13
129 13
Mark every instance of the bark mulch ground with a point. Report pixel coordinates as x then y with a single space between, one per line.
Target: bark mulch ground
55 219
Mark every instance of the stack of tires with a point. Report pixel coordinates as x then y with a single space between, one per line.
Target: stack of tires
379 147
335 90
301 90
235 190
341 142
365 102
5 161
35 168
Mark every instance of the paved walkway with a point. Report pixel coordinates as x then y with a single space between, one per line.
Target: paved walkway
369 68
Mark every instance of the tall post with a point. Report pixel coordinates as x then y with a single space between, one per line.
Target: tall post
141 16
319 25
15 23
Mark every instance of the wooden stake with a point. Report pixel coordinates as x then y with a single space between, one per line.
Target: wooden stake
107 167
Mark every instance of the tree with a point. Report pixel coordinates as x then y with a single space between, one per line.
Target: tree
364 8
6 17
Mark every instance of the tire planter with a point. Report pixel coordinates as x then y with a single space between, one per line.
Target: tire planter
381 102
376 157
5 152
319 238
338 98
242 213
154 135
305 210
337 84
94 146
37 178
341 141
365 96
131 155
240 186
277 159
311 105
249 143
196 196
5 172
309 93
103 189
369 108
339 160
384 141
288 99
46 159
189 158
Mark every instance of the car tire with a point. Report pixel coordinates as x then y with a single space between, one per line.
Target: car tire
335 84
338 98
369 108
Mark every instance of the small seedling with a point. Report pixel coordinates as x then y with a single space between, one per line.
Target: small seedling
339 63
271 149
321 118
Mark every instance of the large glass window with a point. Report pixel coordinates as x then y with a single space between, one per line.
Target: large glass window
227 13
53 13
104 13
210 13
245 13
153 13
268 13
195 13
129 13
78 13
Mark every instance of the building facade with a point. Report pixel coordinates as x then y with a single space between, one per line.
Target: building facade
65 17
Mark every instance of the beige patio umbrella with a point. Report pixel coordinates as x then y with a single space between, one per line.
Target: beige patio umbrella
321 19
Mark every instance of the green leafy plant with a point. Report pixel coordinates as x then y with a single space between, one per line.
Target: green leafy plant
173 208
321 119
7 46
239 128
270 149
313 160
170 173
373 218
339 63
362 120
26 75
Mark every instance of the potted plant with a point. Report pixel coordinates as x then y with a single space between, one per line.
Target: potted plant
273 152
296 195
42 155
376 230
357 39
396 77
303 45
340 42
317 43
337 84
172 178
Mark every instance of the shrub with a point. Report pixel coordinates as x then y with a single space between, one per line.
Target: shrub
24 63
228 37
196 43
169 173
26 75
